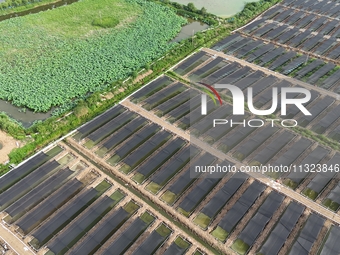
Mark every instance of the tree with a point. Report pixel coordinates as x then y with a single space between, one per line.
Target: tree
191 7
203 11
134 74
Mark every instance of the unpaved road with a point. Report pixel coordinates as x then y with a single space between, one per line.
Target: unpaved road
14 242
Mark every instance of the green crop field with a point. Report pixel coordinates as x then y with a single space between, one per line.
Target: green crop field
54 56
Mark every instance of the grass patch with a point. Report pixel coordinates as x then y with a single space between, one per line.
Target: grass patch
113 160
240 247
101 152
89 144
310 193
153 187
147 218
220 234
131 207
291 184
163 230
125 169
185 213
117 195
334 206
202 220
138 177
103 186
66 159
169 197
105 22
180 242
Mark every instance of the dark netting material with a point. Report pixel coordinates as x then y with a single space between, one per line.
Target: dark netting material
190 61
184 109
265 29
319 182
248 48
271 55
234 77
283 15
275 32
331 80
315 110
242 205
198 193
321 126
35 196
101 120
126 238
78 228
147 148
246 81
151 88
320 72
125 132
260 219
104 230
174 249
305 21
47 207
207 122
259 52
174 165
281 231
292 110
46 231
332 244
151 244
312 42
174 102
308 235
293 64
27 184
20 172
293 152
235 137
295 17
282 60
163 95
200 71
262 84
195 115
267 95
288 35
219 200
216 76
235 46
111 126
312 158
225 42
325 46
305 70
137 139
254 141
299 38
158 159
189 176
273 147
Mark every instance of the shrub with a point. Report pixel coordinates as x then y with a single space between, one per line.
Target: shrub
105 22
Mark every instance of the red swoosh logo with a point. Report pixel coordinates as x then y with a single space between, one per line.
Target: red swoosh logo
213 90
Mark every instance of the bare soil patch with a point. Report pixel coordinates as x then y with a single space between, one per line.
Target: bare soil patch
7 144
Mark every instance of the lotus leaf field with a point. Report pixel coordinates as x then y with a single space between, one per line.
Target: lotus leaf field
51 57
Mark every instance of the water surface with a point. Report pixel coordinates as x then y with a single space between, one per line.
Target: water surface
222 8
